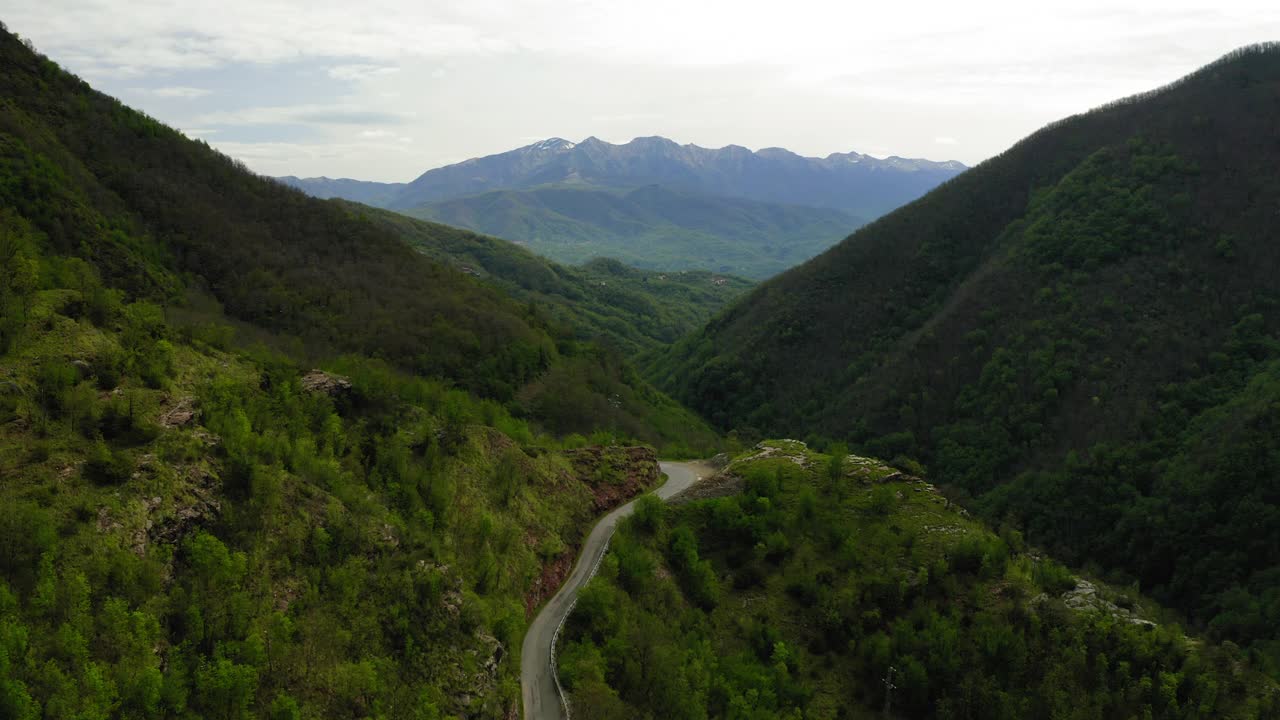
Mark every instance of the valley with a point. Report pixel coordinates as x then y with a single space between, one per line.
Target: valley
511 439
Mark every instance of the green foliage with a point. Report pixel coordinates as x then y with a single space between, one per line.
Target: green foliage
148 228
195 524
1079 335
971 627
108 466
603 300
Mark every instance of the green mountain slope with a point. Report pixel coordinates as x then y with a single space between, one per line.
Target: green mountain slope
649 227
798 593
166 219
195 523
603 300
1079 333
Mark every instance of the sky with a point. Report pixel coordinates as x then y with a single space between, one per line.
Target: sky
386 89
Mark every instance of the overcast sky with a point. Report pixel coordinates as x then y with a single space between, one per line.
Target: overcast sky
385 89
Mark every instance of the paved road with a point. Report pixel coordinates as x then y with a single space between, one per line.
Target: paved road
538 686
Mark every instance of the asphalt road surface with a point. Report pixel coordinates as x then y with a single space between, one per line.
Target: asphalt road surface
537 682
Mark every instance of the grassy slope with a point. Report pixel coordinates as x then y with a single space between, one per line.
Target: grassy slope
650 227
1084 315
633 310
793 598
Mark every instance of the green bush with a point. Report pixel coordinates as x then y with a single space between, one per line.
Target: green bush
107 466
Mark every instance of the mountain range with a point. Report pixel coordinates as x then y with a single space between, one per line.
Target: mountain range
655 203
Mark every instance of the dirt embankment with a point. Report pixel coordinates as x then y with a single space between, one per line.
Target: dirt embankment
614 475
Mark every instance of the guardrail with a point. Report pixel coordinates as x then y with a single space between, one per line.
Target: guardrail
555 637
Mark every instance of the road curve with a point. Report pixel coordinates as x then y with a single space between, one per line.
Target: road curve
537 682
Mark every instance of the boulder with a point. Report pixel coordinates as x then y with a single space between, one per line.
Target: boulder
318 381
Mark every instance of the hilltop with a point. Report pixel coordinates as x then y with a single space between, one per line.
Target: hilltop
800 582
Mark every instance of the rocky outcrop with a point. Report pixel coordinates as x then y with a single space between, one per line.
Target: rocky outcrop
319 381
180 414
615 474
553 575
1084 597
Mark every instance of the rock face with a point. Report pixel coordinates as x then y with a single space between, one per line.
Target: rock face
319 381
552 577
615 474
180 414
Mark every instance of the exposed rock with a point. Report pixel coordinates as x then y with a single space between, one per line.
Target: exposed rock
206 438
722 484
1084 597
549 580
105 522
452 602
615 474
319 381
187 512
181 414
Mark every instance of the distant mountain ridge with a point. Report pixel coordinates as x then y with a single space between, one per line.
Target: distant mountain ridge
362 191
656 203
859 184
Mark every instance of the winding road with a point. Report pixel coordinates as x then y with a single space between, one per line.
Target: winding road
537 680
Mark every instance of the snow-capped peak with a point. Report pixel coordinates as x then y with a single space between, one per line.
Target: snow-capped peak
552 144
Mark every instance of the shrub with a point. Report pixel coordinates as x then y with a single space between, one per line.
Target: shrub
883 500
106 466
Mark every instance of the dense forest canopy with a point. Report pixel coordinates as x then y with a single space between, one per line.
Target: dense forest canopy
603 301
825 576
1079 336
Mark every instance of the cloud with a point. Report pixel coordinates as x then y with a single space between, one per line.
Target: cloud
361 72
467 79
180 92
319 114
156 36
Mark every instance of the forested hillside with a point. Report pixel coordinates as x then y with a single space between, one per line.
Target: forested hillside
1079 335
169 220
822 576
198 524
604 300
651 227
